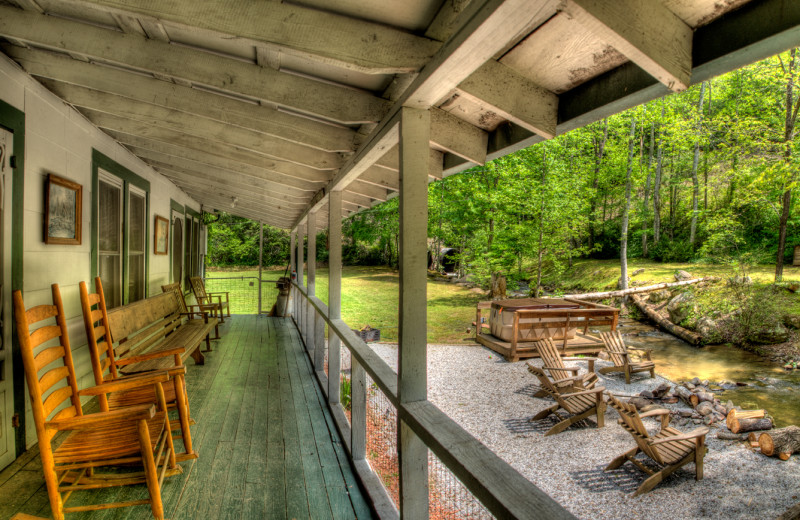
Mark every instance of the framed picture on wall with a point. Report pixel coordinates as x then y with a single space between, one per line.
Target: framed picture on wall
62 211
161 236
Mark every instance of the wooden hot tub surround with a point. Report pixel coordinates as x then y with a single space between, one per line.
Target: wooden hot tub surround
515 324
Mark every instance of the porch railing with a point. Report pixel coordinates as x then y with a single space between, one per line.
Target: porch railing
501 490
243 291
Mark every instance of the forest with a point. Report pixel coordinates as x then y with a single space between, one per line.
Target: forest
705 175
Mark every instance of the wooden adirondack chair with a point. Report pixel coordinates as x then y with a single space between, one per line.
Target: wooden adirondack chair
618 354
670 448
196 310
554 364
105 367
572 397
205 298
125 436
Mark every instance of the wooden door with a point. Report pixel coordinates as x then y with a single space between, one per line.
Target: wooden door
7 448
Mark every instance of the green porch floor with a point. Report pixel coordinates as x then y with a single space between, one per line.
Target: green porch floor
268 447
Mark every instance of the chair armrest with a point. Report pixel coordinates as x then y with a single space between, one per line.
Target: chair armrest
85 422
642 349
129 383
596 390
579 359
566 369
151 355
658 411
699 432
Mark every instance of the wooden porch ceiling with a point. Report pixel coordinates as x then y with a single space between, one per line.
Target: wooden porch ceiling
277 104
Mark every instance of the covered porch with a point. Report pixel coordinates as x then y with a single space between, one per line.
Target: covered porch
268 446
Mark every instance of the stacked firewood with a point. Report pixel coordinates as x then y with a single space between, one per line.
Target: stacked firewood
781 443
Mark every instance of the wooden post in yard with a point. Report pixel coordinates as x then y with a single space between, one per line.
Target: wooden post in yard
334 291
301 303
310 327
293 269
260 260
412 381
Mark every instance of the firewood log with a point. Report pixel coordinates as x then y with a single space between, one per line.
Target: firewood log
684 393
752 438
750 425
700 397
744 414
781 442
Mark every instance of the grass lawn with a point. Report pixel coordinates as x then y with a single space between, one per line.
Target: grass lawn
370 297
370 294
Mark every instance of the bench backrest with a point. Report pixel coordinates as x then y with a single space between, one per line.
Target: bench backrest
138 326
175 288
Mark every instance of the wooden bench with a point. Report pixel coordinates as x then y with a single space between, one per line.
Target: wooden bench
193 311
157 324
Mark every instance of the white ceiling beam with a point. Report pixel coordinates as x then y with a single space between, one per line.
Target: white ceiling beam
225 158
645 31
381 177
109 110
258 201
513 97
325 100
368 190
451 134
326 37
301 130
225 178
241 209
129 24
204 170
283 168
391 161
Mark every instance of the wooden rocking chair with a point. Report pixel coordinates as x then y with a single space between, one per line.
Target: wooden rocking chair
192 310
670 448
105 367
125 436
204 298
554 364
618 354
572 397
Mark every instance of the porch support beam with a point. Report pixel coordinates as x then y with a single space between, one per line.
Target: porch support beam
645 31
513 97
300 264
311 263
325 100
59 73
412 383
338 39
334 292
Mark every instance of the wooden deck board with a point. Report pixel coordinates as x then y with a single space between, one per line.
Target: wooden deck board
268 447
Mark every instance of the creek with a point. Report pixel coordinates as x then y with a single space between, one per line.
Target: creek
768 385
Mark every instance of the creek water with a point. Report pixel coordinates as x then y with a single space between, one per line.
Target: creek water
769 386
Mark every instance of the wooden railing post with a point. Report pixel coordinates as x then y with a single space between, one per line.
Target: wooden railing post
311 321
334 291
412 381
293 269
358 410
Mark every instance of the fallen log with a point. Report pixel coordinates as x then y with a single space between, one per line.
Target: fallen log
793 513
752 438
728 436
744 414
634 290
686 335
781 442
751 425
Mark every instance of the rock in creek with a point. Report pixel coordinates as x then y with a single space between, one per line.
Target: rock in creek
705 408
658 296
695 381
661 390
639 402
728 407
680 307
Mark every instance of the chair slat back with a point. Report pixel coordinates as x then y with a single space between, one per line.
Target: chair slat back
554 391
551 358
41 353
199 289
175 288
98 333
615 346
629 417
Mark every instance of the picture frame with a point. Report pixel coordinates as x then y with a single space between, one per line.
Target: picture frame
63 201
161 236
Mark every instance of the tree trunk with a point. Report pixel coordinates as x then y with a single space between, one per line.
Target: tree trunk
676 330
623 247
788 137
695 183
632 290
645 208
781 442
599 150
541 228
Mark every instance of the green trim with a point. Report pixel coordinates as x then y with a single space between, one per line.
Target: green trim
99 160
14 120
173 206
192 213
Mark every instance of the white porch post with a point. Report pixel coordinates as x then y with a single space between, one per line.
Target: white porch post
412 381
293 268
301 303
310 324
334 290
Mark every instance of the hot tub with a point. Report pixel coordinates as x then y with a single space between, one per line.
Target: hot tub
501 318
